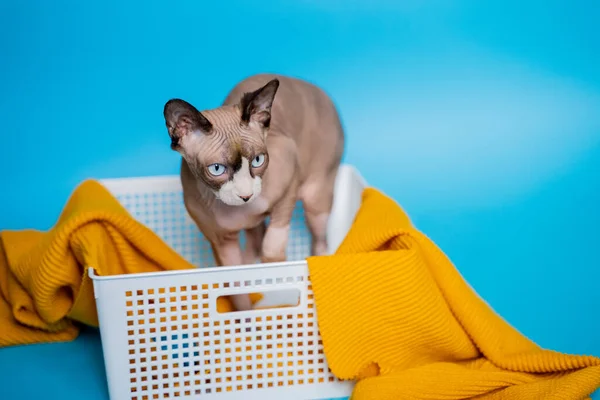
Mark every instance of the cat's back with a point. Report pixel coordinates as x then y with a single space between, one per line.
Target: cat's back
292 91
298 103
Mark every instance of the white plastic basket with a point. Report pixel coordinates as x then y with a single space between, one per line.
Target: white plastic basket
162 336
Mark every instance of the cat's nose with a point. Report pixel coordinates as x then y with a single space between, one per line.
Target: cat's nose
245 198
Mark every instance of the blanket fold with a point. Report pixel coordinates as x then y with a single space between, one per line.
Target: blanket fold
45 293
396 315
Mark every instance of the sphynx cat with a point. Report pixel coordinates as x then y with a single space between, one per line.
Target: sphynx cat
274 140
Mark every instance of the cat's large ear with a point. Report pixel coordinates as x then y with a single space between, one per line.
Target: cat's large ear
182 119
256 106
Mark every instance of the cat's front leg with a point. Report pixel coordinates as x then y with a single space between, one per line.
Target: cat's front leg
227 251
254 240
276 237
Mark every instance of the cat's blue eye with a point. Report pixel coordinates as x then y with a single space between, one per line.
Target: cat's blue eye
258 160
216 169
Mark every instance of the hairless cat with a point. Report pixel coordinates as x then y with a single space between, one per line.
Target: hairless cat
274 140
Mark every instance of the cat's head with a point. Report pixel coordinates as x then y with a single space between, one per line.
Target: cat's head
225 147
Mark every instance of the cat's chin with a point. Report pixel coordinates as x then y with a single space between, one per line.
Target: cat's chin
234 201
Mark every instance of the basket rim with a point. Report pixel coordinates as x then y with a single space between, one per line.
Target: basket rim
204 270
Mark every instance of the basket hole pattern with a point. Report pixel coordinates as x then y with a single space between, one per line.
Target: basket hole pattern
165 214
179 346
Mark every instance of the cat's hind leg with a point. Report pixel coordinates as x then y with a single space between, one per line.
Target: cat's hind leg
317 199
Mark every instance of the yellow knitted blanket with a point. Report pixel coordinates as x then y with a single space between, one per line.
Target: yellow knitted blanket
393 311
45 293
395 314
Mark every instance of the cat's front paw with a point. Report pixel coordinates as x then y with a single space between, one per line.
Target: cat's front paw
276 259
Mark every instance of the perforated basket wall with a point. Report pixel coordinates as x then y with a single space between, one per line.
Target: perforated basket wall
163 338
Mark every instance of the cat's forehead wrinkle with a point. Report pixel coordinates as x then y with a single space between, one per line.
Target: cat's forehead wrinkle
251 145
225 116
227 120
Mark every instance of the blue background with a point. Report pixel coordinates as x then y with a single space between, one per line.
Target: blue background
482 118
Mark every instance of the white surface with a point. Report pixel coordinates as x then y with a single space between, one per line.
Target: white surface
161 334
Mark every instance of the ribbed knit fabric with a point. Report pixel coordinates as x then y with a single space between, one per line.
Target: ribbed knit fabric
396 315
44 288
